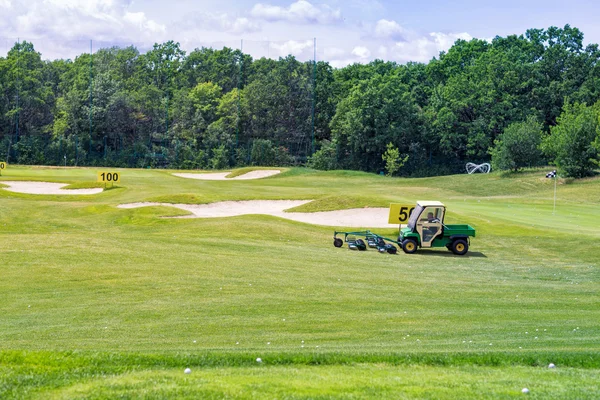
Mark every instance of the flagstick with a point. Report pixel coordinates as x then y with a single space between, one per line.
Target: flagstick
554 209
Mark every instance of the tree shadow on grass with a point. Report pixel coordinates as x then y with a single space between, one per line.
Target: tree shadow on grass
445 253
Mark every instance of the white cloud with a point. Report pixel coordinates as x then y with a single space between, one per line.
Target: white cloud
302 11
220 22
361 52
416 47
444 41
142 23
424 48
242 25
333 53
78 19
386 29
63 28
300 49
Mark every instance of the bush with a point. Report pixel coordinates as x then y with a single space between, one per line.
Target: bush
571 144
262 153
220 158
393 160
325 158
518 146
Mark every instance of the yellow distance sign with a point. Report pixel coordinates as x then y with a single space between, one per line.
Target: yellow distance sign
109 177
3 165
400 213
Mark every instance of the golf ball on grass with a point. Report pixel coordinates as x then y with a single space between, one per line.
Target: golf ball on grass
187 371
258 360
525 390
551 365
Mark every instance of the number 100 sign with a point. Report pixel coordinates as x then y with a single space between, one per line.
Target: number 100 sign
109 177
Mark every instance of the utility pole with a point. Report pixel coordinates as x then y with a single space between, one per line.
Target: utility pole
314 99
91 93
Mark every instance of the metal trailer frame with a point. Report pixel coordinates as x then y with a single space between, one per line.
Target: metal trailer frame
373 240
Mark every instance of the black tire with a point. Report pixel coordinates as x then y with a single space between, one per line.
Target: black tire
391 249
361 245
337 242
460 247
409 246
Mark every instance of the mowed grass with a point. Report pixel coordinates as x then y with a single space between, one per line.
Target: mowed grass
103 302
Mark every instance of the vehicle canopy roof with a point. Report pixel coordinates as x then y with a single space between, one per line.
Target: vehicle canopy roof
428 203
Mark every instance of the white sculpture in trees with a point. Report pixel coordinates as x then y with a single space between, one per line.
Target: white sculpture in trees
484 168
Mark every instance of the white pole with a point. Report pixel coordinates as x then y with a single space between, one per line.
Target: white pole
555 178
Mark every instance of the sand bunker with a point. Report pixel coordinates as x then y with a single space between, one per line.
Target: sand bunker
45 188
221 176
354 218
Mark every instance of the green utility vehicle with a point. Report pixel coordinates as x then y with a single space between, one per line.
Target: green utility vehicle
426 229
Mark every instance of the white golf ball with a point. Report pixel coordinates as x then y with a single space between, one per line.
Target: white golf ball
525 390
258 360
551 365
187 371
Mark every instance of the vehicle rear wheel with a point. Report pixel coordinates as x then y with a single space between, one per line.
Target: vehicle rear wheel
460 247
409 246
337 242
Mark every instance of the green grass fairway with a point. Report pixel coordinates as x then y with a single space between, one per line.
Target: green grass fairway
101 302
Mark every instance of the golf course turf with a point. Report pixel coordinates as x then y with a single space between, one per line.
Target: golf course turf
102 302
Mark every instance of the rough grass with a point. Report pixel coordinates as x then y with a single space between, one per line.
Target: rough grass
92 185
74 375
100 302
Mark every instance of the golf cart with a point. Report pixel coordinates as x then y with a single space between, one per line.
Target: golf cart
426 229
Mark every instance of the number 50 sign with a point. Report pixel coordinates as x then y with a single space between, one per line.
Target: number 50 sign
400 213
109 177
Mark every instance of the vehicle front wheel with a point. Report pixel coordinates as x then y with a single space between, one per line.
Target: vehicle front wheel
460 247
409 246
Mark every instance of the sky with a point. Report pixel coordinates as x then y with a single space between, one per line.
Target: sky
344 31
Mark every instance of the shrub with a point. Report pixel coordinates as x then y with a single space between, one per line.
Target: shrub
571 142
518 146
325 158
393 160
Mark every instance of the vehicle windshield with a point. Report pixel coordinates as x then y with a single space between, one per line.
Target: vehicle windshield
414 216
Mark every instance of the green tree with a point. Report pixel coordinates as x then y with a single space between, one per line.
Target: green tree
376 112
393 160
571 142
518 146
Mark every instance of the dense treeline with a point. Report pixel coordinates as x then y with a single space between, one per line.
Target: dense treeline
518 100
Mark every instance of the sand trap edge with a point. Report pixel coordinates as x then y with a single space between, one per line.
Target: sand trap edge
46 188
352 218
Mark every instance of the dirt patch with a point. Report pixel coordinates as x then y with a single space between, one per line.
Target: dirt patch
354 218
221 176
45 188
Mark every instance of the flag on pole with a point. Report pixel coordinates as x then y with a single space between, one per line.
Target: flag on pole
551 174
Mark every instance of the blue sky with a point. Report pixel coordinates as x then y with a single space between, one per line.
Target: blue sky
346 31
